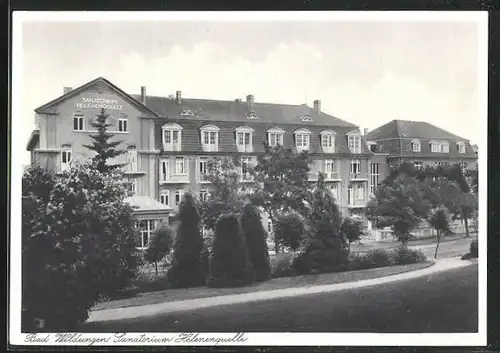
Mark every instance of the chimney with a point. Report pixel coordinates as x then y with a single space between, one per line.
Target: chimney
238 100
365 131
143 94
250 101
178 97
66 90
317 106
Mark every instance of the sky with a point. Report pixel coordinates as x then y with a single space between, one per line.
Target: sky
367 73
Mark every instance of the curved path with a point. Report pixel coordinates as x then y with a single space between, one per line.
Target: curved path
152 310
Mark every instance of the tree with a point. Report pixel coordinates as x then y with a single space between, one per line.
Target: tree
160 245
399 205
229 264
289 230
256 242
326 249
102 146
281 181
225 195
439 221
352 230
78 234
187 267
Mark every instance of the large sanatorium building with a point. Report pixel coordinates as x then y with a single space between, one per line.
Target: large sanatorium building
169 139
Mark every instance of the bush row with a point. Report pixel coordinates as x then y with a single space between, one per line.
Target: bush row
285 264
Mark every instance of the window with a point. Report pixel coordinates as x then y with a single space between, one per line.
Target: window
444 147
131 160
461 147
171 136
360 191
417 165
328 141
78 122
330 169
302 139
354 143
252 116
355 166
415 146
65 158
132 187
306 119
203 169
178 196
434 146
187 113
164 198
440 164
146 228
245 169
275 137
165 170
122 124
180 166
374 177
244 139
210 138
203 195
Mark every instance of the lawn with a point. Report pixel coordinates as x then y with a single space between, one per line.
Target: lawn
441 303
273 284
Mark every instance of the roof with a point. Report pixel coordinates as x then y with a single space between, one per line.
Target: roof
145 203
46 107
411 129
221 110
33 140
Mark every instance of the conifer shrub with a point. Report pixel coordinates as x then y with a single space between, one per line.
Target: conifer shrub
229 264
187 269
256 242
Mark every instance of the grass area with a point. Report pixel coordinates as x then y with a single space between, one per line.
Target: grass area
442 303
273 284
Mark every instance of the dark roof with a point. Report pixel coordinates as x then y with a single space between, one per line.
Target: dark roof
33 140
100 80
411 129
219 110
227 138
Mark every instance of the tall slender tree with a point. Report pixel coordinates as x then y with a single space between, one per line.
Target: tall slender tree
102 146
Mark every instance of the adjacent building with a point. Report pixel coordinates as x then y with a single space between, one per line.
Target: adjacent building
422 144
170 139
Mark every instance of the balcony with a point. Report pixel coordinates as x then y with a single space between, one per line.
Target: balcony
357 177
332 176
172 147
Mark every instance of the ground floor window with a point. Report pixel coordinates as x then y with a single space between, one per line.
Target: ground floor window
146 228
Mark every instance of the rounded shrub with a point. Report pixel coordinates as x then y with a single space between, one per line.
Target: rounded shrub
289 230
229 264
404 256
159 245
256 242
377 258
282 265
473 249
187 270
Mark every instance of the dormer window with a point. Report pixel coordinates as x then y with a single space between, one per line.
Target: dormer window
354 142
210 138
302 139
171 135
328 141
244 137
444 147
78 120
252 116
461 147
275 137
434 146
306 119
415 146
187 112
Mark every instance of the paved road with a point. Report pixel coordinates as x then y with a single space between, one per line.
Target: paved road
444 302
